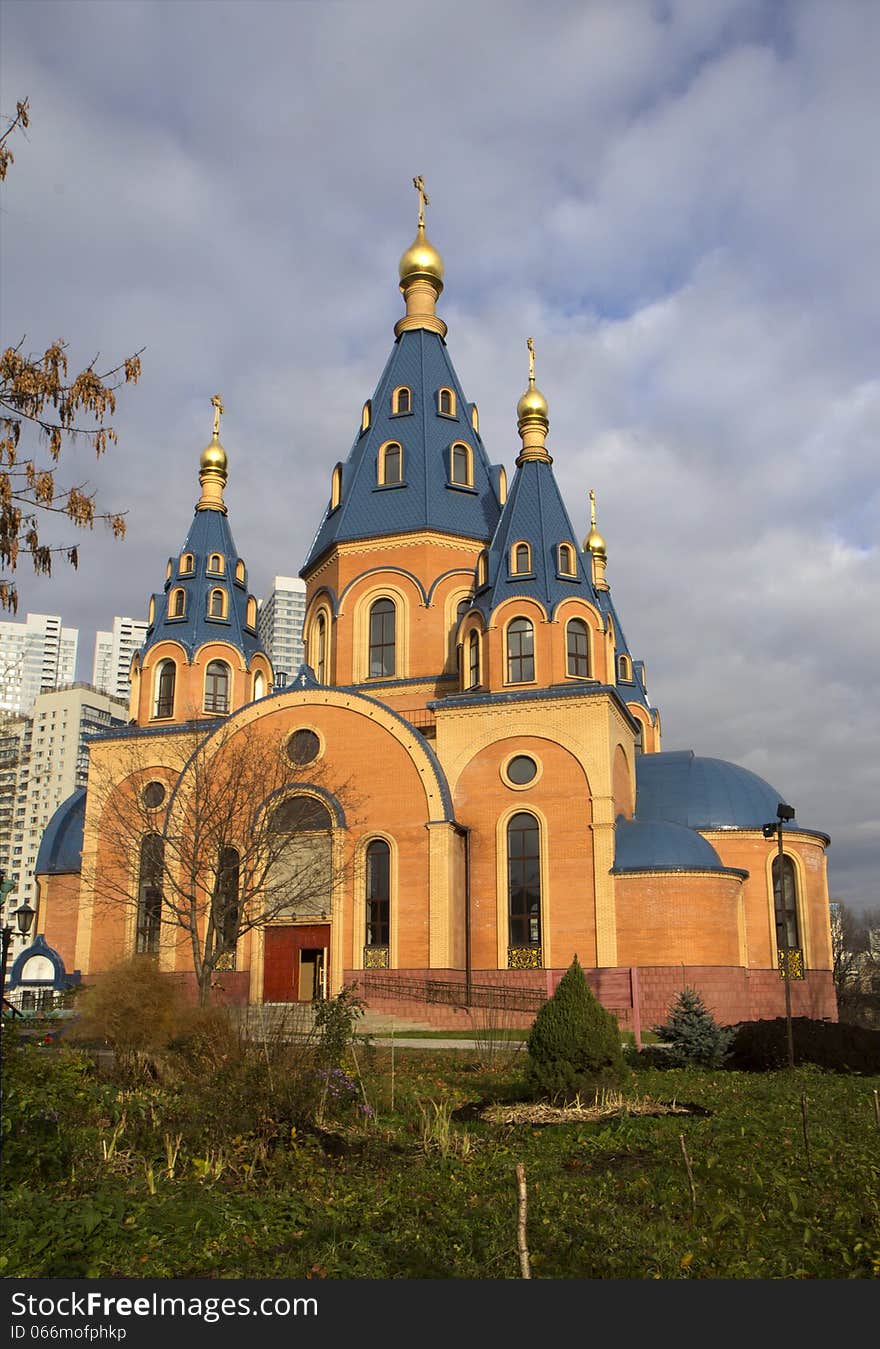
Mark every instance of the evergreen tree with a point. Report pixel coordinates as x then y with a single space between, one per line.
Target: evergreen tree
693 1034
574 1046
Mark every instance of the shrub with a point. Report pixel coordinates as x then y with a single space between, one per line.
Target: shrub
762 1046
574 1045
692 1034
133 1009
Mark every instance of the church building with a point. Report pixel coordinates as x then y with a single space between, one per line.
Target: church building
469 752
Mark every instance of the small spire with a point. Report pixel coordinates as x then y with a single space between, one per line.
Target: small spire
594 544
533 417
421 276
213 465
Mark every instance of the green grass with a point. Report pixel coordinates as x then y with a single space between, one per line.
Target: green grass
411 1192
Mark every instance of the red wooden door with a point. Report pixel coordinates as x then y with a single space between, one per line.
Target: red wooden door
295 962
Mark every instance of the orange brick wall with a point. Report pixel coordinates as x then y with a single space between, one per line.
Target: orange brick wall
666 918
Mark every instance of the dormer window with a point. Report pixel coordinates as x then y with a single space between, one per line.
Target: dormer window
502 486
168 571
482 569
624 669
366 415
240 573
217 604
520 559
216 565
461 465
187 564
336 487
446 402
401 401
177 604
251 618
475 418
566 560
390 464
151 616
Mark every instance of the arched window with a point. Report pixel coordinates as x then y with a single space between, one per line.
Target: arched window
149 906
446 402
336 487
566 560
217 604
520 651
303 859
475 418
482 569
382 639
366 415
624 668
187 564
502 486
524 881
259 685
216 564
177 604
251 615
577 645
168 571
520 559
217 686
639 742
390 464
378 894
301 814
321 648
401 401
240 573
151 615
227 908
165 679
473 659
785 904
461 465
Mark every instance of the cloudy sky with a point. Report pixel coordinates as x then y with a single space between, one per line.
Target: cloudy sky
679 202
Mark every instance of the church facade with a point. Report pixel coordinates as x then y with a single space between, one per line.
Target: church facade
470 748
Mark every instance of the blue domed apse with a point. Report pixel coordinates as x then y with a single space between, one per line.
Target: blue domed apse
658 845
699 793
61 845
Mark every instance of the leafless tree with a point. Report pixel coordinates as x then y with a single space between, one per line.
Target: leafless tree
243 834
855 948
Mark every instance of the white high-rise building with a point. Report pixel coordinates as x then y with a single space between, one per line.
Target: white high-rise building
35 656
43 759
280 624
113 653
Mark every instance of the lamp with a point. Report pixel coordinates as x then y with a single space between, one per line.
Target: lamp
784 814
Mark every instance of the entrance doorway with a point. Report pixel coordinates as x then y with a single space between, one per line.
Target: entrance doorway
296 963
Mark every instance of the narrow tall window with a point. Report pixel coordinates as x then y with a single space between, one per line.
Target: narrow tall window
187 564
336 487
251 614
390 464
382 639
177 607
378 893
240 573
259 685
215 564
578 648
473 659
227 908
520 651
446 402
482 569
217 604
524 881
521 559
149 909
321 649
366 415
785 904
401 400
566 560
217 686
164 706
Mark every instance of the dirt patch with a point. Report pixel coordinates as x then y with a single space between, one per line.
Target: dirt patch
538 1113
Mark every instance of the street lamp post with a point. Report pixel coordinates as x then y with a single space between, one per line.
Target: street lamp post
783 813
24 916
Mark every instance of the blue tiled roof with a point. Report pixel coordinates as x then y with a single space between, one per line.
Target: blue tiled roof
658 845
426 499
702 793
60 849
209 533
632 692
534 513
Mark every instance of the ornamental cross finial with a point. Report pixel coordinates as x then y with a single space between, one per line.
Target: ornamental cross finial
592 508
217 404
531 346
424 199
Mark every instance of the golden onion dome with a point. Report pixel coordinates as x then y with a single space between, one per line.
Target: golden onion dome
213 456
533 404
421 259
594 542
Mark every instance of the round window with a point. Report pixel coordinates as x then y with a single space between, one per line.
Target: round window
154 795
521 770
303 747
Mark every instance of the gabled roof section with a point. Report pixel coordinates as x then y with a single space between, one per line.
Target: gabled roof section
426 499
635 690
534 513
209 534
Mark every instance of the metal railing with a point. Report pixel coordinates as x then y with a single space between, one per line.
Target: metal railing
453 993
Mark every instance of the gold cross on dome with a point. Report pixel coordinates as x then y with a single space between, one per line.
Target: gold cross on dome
424 199
592 508
217 404
531 346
